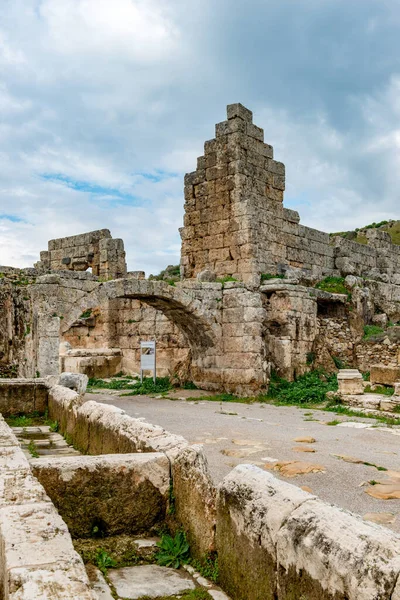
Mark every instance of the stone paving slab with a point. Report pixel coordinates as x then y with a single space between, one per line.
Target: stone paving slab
47 443
149 580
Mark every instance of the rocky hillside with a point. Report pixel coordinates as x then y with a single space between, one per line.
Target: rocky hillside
359 235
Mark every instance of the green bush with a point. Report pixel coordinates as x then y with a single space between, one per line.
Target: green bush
173 551
308 388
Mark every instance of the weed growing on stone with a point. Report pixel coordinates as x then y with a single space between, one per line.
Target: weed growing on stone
334 422
163 384
371 330
173 551
339 363
19 421
86 314
334 285
197 594
104 561
171 507
32 449
26 420
207 566
380 389
268 276
226 279
189 385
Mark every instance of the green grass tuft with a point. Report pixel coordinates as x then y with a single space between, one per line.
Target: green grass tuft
334 285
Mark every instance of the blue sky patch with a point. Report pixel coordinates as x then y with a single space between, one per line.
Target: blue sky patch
12 218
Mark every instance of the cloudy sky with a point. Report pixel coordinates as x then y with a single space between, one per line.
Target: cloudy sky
105 104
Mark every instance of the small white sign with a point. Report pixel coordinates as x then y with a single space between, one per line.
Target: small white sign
148 358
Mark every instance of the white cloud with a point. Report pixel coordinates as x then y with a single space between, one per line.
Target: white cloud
138 30
118 97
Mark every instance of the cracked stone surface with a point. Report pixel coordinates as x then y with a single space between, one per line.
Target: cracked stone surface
149 580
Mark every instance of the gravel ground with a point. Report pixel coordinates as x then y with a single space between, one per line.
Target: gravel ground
261 434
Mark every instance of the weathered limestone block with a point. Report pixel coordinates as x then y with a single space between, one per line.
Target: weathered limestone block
194 494
390 405
63 406
385 375
35 538
350 382
252 506
322 550
61 582
74 381
124 493
22 396
18 487
381 320
277 542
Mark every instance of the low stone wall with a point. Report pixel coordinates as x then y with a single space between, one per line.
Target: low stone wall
276 541
115 493
95 363
96 428
19 396
37 558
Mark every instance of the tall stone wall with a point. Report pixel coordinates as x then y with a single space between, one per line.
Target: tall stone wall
96 250
235 223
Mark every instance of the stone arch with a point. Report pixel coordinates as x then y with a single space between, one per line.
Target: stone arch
177 304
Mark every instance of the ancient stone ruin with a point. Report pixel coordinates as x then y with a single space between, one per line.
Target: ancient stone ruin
251 296
258 293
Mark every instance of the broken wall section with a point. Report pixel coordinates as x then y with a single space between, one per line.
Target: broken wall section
96 250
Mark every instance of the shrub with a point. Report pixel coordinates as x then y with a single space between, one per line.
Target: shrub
308 388
173 551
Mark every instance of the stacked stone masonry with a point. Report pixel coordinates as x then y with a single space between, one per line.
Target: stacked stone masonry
224 326
235 223
96 250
